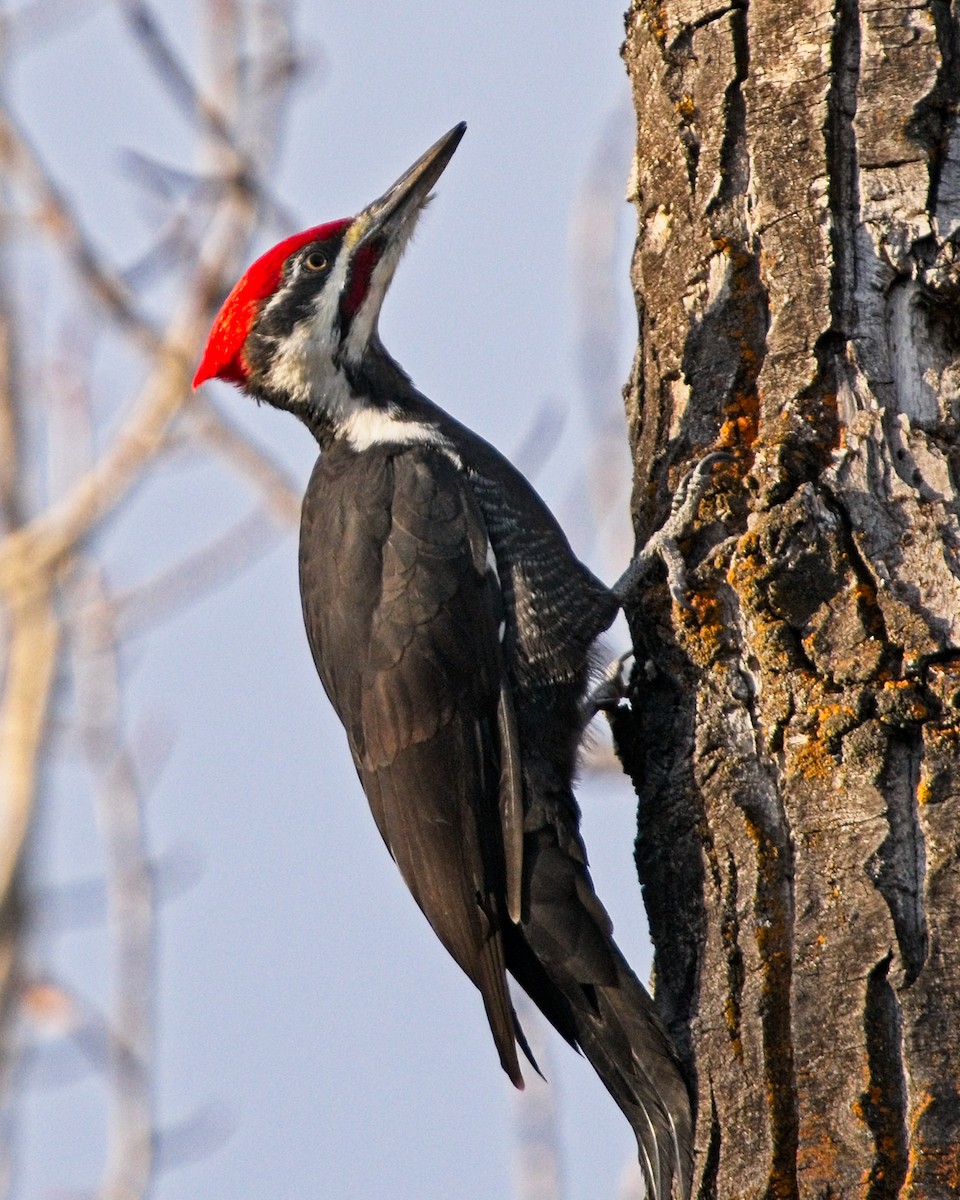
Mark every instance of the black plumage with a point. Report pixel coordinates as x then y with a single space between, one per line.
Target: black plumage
452 627
416 671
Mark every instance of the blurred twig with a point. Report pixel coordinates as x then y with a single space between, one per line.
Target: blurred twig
71 461
52 215
129 889
9 407
237 167
537 1171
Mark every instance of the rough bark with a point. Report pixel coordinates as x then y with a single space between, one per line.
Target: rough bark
795 734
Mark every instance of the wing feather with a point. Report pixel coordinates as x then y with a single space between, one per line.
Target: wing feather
405 634
511 803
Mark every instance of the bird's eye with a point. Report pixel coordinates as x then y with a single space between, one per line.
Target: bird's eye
315 261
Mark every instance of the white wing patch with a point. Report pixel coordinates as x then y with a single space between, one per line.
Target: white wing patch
494 571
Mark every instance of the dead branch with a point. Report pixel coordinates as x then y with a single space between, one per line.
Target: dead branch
129 889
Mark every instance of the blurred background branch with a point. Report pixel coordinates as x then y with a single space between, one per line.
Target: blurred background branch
69 461
97 349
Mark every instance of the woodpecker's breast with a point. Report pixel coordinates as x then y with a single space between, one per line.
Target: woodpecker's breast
400 610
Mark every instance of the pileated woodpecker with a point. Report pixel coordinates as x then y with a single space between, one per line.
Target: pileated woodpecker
452 627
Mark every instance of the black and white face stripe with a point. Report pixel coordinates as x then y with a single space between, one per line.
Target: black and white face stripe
306 350
277 349
306 277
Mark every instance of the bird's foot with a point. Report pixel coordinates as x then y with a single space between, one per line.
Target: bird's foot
663 543
611 692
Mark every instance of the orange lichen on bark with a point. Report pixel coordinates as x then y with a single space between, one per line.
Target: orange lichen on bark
741 419
745 568
938 772
812 760
817 757
817 1154
702 624
936 1163
900 702
871 614
834 720
942 737
657 20
943 679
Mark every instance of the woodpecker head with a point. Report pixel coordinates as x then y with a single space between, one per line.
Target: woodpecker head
300 325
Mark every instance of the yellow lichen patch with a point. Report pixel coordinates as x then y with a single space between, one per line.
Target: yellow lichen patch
745 569
741 418
702 625
866 599
812 760
834 720
658 21
817 1155
900 702
943 738
933 1164
731 1017
938 773
814 757
686 107
943 679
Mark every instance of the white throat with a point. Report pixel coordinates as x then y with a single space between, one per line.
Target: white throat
309 364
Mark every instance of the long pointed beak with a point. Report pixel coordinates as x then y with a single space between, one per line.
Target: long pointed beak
388 215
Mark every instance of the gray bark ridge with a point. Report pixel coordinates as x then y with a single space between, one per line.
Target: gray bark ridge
795 741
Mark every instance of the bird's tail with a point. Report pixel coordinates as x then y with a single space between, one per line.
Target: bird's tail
629 1048
566 960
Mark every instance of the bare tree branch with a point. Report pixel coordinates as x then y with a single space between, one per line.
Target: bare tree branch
32 642
9 433
235 166
54 216
130 891
46 597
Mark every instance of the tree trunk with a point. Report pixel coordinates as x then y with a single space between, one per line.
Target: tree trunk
795 733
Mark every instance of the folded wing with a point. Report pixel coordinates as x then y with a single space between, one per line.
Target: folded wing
414 670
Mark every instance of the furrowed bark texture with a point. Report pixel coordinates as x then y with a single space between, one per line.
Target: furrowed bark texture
795 734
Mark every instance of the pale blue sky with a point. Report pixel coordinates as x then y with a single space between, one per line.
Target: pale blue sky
301 994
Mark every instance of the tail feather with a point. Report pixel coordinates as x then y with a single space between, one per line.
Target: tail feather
564 957
629 1048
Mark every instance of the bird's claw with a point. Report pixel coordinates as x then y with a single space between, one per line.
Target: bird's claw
611 691
663 543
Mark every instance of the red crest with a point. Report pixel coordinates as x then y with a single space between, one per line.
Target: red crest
223 354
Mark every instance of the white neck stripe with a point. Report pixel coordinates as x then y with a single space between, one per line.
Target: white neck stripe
364 427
